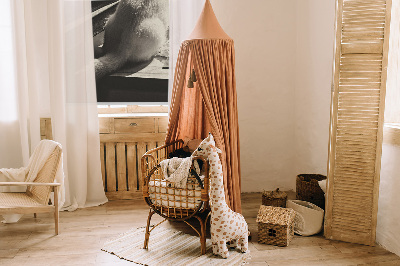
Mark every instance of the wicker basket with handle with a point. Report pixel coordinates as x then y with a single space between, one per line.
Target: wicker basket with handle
308 189
274 198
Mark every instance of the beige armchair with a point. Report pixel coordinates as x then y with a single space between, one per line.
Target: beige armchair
36 197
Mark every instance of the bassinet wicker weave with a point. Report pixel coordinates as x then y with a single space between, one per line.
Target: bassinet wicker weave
308 189
174 203
275 225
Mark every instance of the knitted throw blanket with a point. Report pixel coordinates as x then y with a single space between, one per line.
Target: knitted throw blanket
176 170
29 173
36 162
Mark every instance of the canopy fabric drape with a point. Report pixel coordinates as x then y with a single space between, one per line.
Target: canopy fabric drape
211 106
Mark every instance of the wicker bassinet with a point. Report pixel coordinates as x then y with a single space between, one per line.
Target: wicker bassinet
170 202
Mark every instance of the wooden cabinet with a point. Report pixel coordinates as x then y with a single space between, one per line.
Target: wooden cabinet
149 128
123 141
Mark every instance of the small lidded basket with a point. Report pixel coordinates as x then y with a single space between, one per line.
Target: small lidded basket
274 198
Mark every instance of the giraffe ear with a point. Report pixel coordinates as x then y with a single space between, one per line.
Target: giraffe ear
216 149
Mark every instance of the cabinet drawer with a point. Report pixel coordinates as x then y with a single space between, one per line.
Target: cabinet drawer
106 125
134 125
162 124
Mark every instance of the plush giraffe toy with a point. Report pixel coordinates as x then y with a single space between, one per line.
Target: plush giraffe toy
226 225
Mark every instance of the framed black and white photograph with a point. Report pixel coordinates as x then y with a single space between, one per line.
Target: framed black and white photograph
131 50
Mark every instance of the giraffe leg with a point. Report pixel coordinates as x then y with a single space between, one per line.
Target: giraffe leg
215 248
222 249
243 243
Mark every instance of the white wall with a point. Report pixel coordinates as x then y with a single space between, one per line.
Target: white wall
284 52
265 34
314 60
388 227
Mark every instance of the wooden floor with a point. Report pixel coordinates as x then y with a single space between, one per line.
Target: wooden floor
83 232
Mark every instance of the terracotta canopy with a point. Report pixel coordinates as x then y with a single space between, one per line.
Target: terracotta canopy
211 105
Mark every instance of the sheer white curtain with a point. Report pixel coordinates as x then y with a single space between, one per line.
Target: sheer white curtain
55 77
10 144
183 17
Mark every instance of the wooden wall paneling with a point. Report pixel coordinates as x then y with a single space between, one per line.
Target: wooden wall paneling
121 167
103 167
132 166
141 149
110 167
125 140
121 151
358 95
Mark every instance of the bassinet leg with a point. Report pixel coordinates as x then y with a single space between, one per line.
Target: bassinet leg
147 235
203 236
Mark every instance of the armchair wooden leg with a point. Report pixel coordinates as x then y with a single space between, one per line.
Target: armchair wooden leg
34 215
147 235
56 212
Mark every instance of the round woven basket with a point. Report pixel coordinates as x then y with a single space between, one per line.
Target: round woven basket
308 189
309 217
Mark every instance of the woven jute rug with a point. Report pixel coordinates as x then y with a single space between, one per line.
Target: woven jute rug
168 247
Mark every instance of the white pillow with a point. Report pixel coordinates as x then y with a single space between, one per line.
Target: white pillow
322 184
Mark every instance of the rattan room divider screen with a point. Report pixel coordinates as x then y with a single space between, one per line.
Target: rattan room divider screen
358 97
